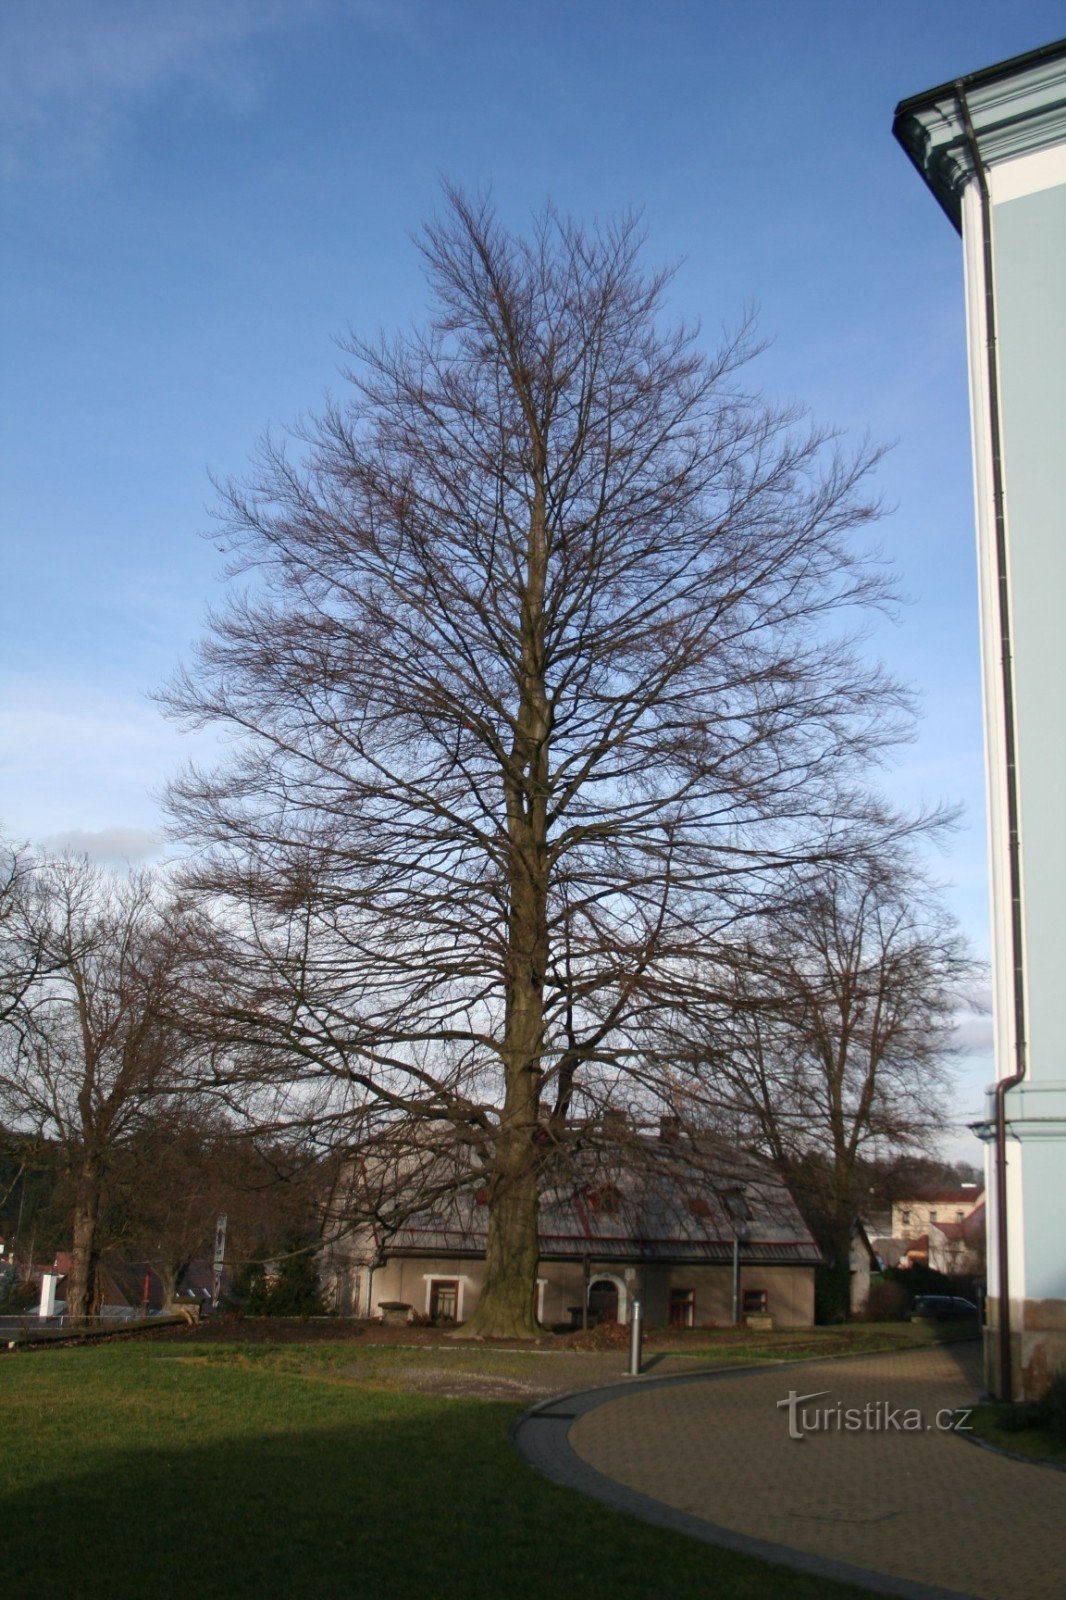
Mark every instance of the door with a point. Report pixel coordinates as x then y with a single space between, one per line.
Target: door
444 1299
603 1301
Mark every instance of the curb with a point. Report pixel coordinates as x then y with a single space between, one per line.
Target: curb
541 1436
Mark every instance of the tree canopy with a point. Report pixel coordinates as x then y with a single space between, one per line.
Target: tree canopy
542 669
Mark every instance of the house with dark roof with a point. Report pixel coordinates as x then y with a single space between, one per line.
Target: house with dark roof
676 1222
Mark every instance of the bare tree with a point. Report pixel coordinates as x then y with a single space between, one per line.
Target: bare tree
94 1041
834 1041
181 1166
534 679
22 957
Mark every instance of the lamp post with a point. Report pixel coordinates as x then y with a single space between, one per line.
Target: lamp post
739 1213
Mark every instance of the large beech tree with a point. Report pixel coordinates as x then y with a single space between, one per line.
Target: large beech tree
537 670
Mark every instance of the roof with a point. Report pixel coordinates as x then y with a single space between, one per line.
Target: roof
984 76
970 1194
654 1200
970 1230
1015 107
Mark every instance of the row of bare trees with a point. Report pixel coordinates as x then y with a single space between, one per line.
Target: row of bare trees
550 758
821 1041
103 1071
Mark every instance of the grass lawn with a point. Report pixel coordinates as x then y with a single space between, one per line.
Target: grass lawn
1035 1443
264 1470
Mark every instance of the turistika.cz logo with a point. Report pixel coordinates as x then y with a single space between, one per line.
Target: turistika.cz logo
876 1416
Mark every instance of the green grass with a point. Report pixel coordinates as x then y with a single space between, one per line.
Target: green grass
1035 1443
269 1471
803 1344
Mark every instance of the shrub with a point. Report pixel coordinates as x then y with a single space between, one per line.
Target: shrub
1046 1415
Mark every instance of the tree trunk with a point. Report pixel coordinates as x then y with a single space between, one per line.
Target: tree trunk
170 1274
835 1296
506 1308
82 1281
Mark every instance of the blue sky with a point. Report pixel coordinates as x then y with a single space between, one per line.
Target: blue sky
198 198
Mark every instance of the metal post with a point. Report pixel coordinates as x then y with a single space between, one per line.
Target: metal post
586 1269
220 1260
636 1338
736 1278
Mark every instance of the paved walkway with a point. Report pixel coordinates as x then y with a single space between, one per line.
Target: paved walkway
915 1513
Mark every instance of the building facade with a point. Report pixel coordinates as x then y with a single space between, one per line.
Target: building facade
992 148
655 1219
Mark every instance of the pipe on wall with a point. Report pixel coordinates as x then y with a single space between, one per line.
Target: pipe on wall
1014 861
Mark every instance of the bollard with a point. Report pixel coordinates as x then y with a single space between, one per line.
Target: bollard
636 1339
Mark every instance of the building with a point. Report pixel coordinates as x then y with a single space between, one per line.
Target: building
912 1217
648 1220
958 1249
991 146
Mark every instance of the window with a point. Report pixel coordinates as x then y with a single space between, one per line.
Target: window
932 1216
682 1308
960 1216
699 1208
905 1217
444 1299
606 1200
755 1300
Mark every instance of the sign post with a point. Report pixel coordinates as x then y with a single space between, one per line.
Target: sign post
220 1258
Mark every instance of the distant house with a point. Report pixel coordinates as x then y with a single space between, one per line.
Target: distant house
911 1217
656 1219
862 1261
958 1248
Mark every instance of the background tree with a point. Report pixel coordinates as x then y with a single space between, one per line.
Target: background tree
22 956
95 1041
835 1039
185 1162
535 682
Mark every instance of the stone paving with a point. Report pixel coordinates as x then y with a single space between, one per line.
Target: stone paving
923 1508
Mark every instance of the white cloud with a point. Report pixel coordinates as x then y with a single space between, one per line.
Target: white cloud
71 73
974 1035
74 756
111 847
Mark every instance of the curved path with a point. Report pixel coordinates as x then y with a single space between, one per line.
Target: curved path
901 1511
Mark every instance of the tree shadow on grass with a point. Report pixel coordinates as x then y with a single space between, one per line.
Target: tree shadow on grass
390 1509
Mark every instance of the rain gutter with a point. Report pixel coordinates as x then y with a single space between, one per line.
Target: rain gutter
1014 866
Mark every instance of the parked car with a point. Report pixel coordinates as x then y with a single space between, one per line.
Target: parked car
944 1308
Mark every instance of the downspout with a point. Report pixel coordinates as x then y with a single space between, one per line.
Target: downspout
1014 863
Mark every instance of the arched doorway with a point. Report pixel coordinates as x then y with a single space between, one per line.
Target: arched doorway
606 1300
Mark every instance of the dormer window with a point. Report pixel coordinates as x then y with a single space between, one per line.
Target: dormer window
605 1200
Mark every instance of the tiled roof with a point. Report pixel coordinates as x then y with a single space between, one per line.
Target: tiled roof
653 1204
956 1197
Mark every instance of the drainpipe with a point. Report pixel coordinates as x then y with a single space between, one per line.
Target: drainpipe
1014 865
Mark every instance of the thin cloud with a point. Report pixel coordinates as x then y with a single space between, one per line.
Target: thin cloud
110 847
73 756
71 75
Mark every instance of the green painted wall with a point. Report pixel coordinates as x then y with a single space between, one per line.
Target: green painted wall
1030 265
